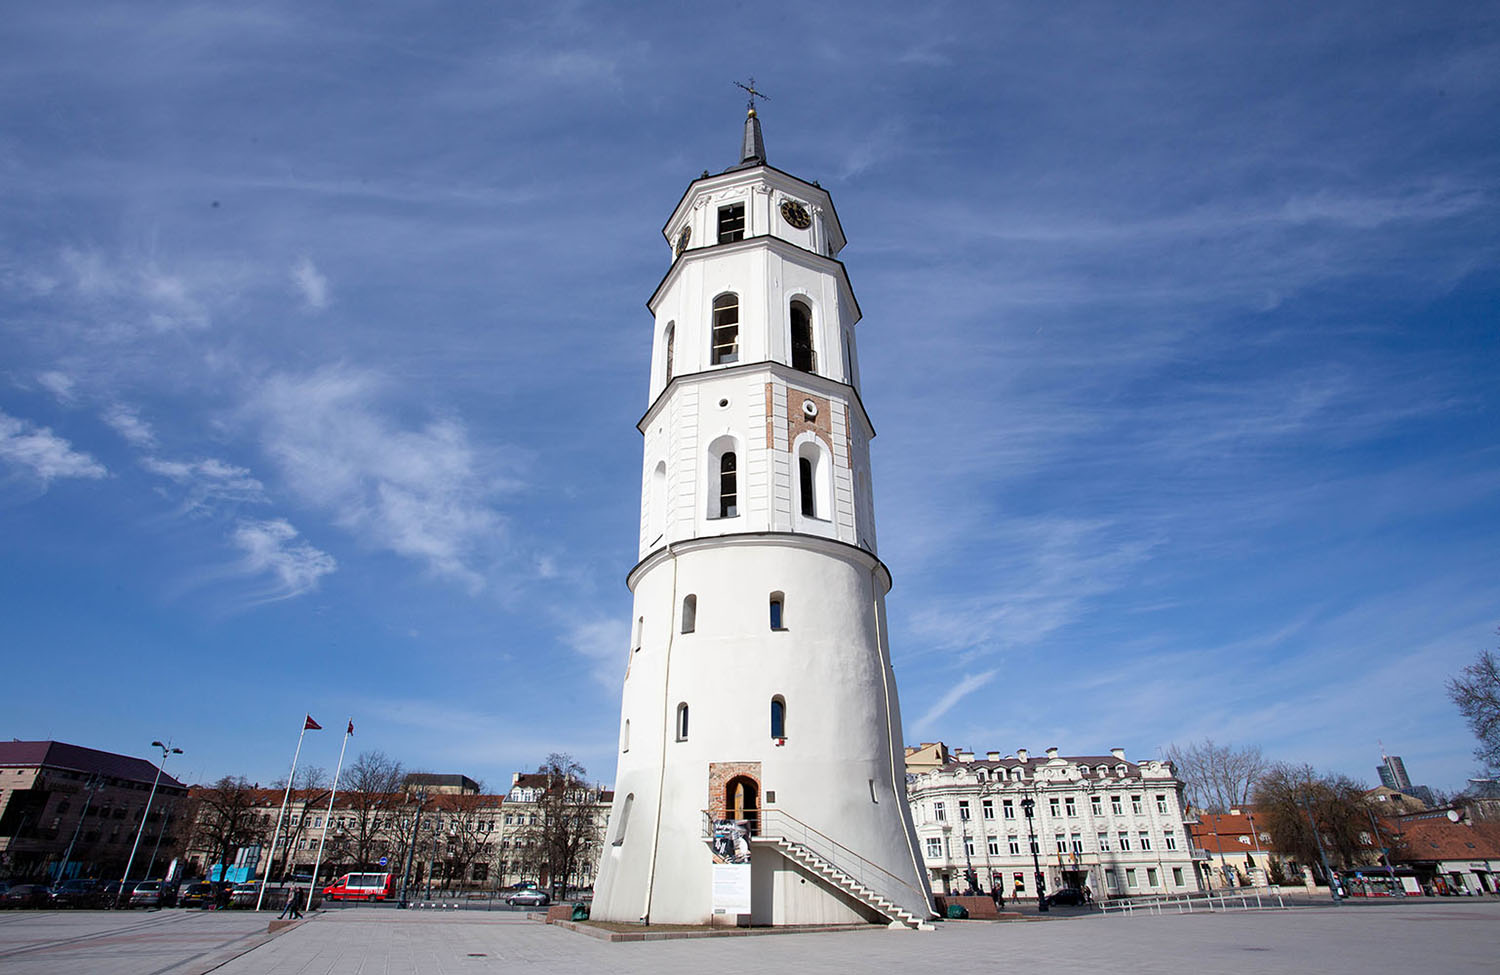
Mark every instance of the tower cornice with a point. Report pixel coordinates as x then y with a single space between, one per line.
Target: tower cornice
786 373
739 177
816 543
749 243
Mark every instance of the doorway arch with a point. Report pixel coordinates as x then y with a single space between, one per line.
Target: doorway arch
742 801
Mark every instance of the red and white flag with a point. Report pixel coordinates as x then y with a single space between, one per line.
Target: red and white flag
311 725
351 727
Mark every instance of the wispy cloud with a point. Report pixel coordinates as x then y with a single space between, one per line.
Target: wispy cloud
60 385
423 492
125 421
310 284
966 685
603 642
43 454
272 548
209 481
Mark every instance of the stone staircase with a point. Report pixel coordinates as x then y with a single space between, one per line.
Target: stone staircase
841 881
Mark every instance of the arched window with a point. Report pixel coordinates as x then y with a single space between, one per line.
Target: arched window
778 603
640 627
671 341
803 356
778 717
625 737
814 479
657 516
689 613
728 485
682 722
624 819
726 330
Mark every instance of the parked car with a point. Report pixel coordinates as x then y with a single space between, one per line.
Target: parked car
154 893
26 895
78 892
196 894
360 887
1067 895
528 898
245 895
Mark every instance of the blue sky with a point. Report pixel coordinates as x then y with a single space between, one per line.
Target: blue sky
324 336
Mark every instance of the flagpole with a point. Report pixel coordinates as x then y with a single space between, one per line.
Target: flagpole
276 836
328 820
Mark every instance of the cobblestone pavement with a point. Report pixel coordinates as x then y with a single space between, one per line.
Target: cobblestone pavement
1447 936
1443 935
173 942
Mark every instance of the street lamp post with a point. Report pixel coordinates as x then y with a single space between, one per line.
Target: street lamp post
95 782
411 847
1333 884
1028 804
166 749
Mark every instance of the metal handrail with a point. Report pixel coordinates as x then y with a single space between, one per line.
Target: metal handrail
764 825
1185 904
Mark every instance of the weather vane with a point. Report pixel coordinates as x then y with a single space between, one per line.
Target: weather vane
750 102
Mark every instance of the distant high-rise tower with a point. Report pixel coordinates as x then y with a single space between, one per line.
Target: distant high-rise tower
761 773
1393 773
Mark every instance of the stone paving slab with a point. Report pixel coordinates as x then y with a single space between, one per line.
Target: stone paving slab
171 942
1434 936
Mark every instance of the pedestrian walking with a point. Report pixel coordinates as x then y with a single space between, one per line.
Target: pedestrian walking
293 908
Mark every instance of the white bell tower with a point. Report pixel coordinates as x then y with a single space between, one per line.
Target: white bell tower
759 689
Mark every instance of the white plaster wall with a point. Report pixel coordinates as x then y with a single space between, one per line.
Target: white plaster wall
831 666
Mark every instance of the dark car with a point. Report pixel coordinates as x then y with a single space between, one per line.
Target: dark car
197 894
1067 895
153 893
78 892
26 895
246 894
528 898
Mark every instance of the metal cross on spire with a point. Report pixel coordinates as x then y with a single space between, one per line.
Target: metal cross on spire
754 94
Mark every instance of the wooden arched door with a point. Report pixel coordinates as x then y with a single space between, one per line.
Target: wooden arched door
742 801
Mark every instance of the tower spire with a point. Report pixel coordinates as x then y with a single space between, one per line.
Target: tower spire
754 148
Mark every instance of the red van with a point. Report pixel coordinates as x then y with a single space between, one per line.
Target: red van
359 887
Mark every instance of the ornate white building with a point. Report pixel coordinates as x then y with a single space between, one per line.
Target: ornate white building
1099 821
758 688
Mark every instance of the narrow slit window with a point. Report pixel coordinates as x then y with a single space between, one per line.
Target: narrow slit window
806 483
777 605
624 819
671 342
682 722
625 737
803 356
689 613
778 717
640 626
731 223
726 331
728 486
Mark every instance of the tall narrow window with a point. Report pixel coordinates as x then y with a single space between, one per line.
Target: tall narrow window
805 482
671 341
731 223
640 626
625 737
728 486
814 479
778 717
624 819
682 722
803 357
689 613
848 362
777 601
657 515
726 331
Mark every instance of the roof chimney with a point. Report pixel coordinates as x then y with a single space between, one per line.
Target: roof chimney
1051 753
992 756
1021 754
1118 753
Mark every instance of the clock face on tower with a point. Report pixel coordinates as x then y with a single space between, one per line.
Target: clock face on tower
796 214
682 241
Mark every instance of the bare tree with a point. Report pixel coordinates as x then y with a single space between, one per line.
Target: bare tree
1476 691
1290 798
1217 778
369 792
566 830
469 821
225 818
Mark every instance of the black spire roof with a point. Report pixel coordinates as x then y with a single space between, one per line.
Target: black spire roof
753 151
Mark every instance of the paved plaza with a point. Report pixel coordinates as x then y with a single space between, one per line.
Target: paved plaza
1443 935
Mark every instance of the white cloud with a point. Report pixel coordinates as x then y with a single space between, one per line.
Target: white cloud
128 424
422 493
967 685
311 284
272 547
209 480
43 453
59 384
603 642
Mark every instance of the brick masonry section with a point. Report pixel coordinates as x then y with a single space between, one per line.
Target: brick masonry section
719 774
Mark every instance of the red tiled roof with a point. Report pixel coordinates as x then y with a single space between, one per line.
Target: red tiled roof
1440 839
76 758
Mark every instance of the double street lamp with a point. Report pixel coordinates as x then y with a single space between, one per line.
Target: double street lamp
166 749
411 848
1028 804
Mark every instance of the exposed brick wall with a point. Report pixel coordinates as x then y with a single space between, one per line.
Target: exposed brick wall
719 774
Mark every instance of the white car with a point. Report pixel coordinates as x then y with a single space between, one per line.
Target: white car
528 898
